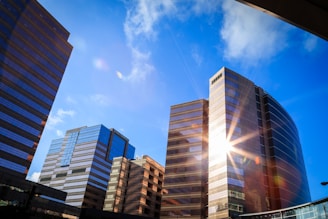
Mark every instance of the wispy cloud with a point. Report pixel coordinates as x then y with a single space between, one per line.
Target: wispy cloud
100 99
70 100
34 177
249 35
142 16
58 117
59 133
141 67
195 54
206 6
139 26
310 42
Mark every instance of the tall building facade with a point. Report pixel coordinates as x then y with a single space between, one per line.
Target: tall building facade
255 157
80 164
135 187
255 160
33 55
186 162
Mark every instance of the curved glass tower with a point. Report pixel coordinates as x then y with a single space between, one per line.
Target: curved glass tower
287 178
255 156
251 147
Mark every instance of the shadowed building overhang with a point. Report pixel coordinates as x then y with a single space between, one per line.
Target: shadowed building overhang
310 15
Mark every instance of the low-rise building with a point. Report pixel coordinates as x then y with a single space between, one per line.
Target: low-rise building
135 187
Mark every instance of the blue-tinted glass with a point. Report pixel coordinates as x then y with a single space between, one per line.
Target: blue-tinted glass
130 152
104 135
11 165
16 137
117 147
27 87
89 134
235 182
13 151
24 99
55 146
28 75
69 148
20 111
19 124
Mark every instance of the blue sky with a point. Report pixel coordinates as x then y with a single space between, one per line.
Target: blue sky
132 60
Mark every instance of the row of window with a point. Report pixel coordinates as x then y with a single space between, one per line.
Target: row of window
186 115
197 105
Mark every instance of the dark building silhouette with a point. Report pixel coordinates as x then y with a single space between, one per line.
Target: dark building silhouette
33 55
306 14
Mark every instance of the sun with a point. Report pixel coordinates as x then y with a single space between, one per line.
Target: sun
227 146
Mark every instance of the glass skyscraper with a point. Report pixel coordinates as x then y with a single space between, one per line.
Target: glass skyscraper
80 164
33 55
186 162
254 157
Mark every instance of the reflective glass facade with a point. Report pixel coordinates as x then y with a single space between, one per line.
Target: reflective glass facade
186 162
287 179
255 157
33 55
80 163
313 210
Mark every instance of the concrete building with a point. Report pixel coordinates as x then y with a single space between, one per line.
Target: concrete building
186 162
135 187
254 157
81 162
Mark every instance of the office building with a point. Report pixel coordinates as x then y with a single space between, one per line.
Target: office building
255 160
33 54
135 187
316 209
80 164
186 162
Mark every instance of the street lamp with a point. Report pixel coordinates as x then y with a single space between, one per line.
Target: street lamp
324 183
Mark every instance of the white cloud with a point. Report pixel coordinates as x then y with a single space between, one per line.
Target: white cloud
100 99
141 66
310 42
34 177
70 100
62 113
250 35
206 6
195 54
59 133
139 25
119 74
59 116
142 17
